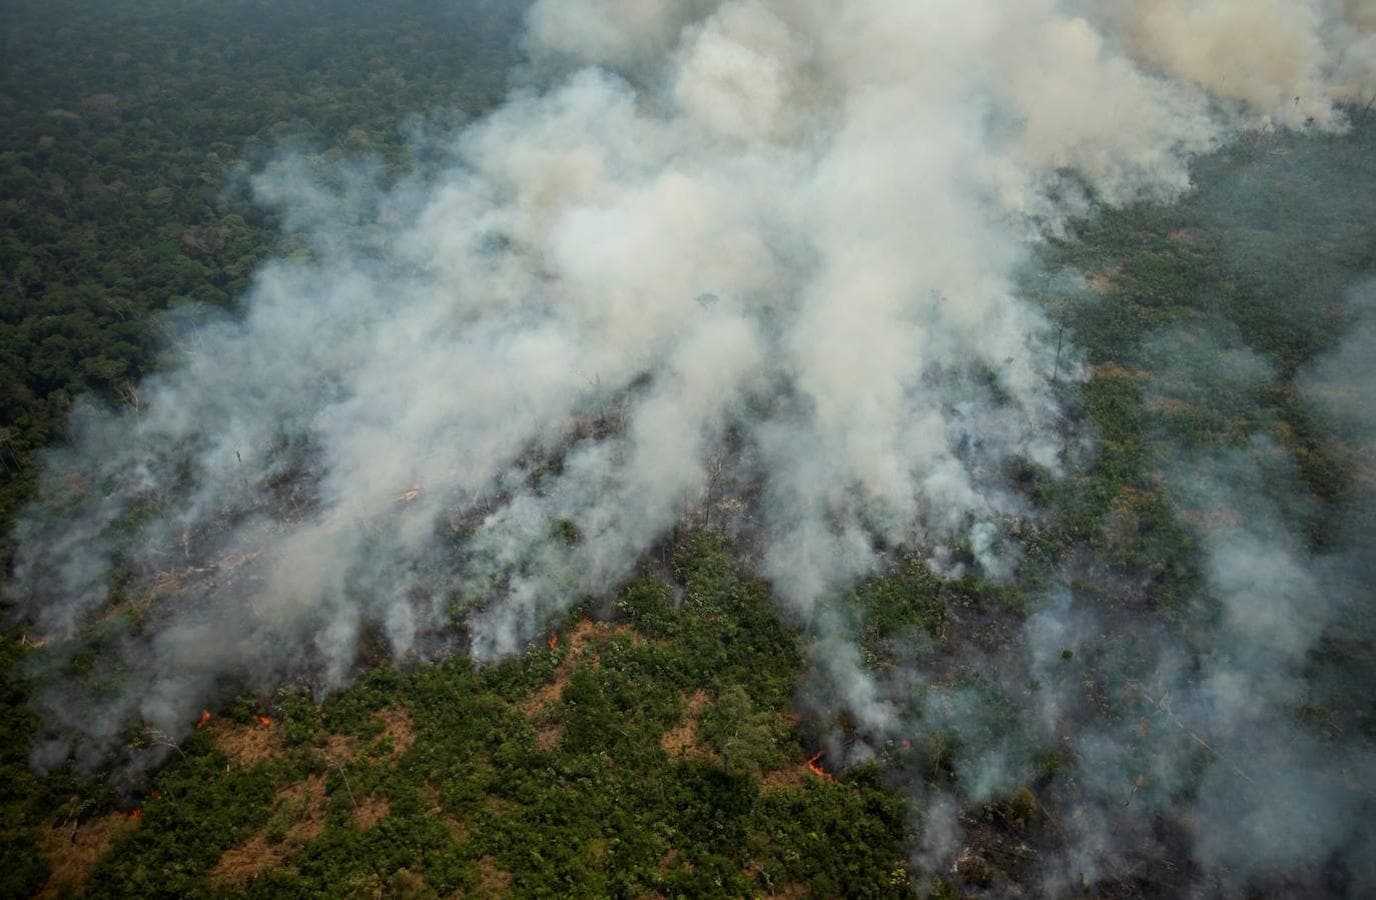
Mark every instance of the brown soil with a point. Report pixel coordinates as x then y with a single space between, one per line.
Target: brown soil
682 739
304 801
1209 519
372 810
1102 282
548 695
547 738
493 881
672 860
497 804
1114 370
249 744
1163 403
405 885
787 776
72 852
249 858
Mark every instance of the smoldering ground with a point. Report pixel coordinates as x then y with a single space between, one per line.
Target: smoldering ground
707 245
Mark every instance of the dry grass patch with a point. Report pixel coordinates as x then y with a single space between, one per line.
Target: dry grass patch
493 880
1101 282
72 851
499 805
1114 370
547 696
247 745
789 776
547 738
673 859
1210 519
257 854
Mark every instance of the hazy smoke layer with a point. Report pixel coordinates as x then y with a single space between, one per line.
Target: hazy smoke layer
754 248
1193 740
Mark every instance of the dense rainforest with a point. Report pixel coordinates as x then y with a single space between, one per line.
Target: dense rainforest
128 132
651 744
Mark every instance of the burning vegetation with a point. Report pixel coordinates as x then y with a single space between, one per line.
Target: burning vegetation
1028 476
815 767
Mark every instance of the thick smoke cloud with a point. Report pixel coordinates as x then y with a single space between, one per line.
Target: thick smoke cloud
758 249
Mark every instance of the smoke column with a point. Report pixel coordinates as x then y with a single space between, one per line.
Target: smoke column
763 249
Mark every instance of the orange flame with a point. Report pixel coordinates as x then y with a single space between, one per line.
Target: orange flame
817 770
136 813
154 793
204 719
265 721
553 642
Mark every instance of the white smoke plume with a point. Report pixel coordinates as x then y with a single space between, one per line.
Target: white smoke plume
775 237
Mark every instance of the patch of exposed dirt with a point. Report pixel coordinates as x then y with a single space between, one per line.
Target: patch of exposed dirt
397 725
673 860
497 804
1164 403
249 744
682 739
1102 282
547 738
786 776
548 695
1210 519
493 881
1114 370
255 855
434 800
372 810
72 850
298 816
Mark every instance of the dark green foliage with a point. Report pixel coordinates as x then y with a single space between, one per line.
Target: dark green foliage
728 630
808 827
748 739
204 808
350 713
22 869
645 604
297 716
477 801
17 724
911 596
127 130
